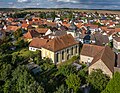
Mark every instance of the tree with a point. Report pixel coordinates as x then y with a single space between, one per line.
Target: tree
66 70
98 80
83 74
113 85
5 71
23 81
53 15
7 86
61 89
21 43
73 82
42 15
40 89
18 33
15 58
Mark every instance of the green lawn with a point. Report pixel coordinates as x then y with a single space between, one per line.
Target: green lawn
25 53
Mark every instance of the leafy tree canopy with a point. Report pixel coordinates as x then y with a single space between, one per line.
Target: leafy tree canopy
73 82
114 84
98 80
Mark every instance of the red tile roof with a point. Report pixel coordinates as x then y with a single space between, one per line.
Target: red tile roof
12 28
38 42
25 25
30 34
66 24
107 56
60 43
42 30
90 50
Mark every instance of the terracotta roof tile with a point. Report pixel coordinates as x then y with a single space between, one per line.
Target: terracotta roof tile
107 56
25 25
38 42
66 24
79 25
12 28
42 30
30 34
61 42
52 24
90 50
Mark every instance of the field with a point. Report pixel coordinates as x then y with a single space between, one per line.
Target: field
75 10
58 10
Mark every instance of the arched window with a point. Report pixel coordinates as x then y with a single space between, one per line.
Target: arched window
72 51
62 55
57 55
75 49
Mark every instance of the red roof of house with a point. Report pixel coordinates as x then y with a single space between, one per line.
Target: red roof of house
12 28
30 34
107 56
90 50
38 42
42 30
66 24
25 25
79 25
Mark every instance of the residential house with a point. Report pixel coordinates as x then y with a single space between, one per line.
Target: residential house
88 52
25 26
11 28
42 31
104 60
30 35
116 43
101 39
50 24
73 30
49 19
56 34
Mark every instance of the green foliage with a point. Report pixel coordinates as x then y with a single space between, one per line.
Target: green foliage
73 82
98 80
66 70
70 61
113 85
5 47
83 74
53 15
5 71
61 89
110 44
17 34
20 14
22 82
6 58
42 15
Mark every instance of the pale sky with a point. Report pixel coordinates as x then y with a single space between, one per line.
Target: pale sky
87 4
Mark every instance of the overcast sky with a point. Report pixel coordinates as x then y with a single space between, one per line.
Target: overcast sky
87 4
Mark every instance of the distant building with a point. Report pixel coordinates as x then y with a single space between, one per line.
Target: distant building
30 35
116 43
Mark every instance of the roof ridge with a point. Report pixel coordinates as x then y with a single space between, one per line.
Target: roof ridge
107 64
